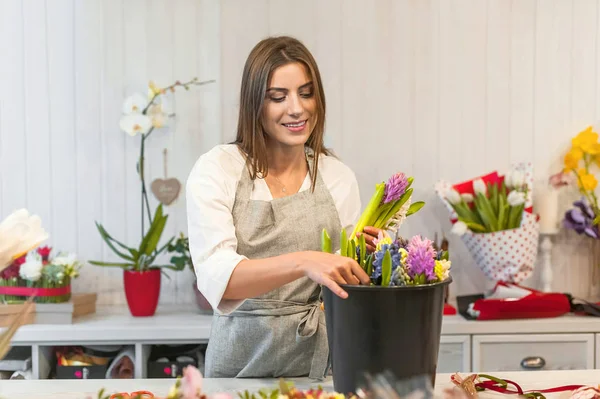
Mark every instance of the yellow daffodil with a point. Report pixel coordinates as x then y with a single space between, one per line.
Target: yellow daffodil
587 181
572 158
587 141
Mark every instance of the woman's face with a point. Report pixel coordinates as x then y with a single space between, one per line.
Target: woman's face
290 106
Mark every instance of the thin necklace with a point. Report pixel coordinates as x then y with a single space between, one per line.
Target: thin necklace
280 182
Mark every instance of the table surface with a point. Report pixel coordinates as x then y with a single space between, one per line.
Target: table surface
84 389
184 323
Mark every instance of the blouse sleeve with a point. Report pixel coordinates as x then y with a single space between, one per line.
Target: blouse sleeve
212 240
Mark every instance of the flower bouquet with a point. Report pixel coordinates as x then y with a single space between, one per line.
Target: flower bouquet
39 273
408 281
493 214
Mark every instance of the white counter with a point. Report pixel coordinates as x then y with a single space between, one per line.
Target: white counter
82 389
183 324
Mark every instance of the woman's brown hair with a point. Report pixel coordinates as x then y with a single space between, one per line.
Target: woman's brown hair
268 55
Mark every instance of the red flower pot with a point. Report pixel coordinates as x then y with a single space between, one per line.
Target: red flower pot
142 290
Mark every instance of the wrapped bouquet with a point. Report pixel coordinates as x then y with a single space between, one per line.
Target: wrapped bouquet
39 272
493 214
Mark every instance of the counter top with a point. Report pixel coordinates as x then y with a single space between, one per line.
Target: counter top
84 389
185 324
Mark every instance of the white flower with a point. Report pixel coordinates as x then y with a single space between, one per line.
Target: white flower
157 115
396 221
479 187
134 104
515 180
467 197
68 259
516 198
32 268
459 228
453 197
135 123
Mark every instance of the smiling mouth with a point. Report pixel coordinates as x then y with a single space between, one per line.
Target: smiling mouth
295 124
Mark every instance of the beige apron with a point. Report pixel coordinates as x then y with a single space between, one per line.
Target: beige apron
281 333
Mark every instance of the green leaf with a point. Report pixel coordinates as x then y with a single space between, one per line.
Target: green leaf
363 251
485 211
370 210
325 242
352 249
107 238
386 268
111 264
151 239
343 242
168 243
369 270
134 253
502 213
415 207
476 227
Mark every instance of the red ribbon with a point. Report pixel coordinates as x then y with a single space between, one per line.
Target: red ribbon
29 291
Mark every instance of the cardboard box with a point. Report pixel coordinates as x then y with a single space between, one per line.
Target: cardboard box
9 312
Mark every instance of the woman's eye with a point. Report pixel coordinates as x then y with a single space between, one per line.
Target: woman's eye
277 99
307 95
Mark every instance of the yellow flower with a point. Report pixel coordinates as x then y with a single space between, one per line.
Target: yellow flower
572 158
587 141
154 90
382 241
442 269
586 181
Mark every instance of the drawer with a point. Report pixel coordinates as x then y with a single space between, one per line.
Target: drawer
454 354
533 352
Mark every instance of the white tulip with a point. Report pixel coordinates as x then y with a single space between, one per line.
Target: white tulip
459 228
135 123
516 198
135 104
468 198
63 259
517 179
479 187
453 197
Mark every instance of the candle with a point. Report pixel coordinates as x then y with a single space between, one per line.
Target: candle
546 206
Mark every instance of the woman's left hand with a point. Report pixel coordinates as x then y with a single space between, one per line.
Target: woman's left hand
370 234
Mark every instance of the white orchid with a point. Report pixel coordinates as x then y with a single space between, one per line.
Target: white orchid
135 123
32 268
453 197
479 187
515 198
459 228
135 104
157 114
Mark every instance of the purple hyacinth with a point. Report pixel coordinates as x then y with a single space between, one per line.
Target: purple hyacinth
581 219
421 258
395 187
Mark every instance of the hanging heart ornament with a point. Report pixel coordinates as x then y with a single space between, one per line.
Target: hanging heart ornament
166 190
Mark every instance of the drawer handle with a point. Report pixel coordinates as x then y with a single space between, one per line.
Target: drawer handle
533 363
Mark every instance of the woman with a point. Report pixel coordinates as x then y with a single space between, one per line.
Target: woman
256 210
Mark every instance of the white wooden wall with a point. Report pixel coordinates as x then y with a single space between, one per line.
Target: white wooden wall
435 88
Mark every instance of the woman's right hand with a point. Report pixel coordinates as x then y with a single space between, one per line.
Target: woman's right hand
331 270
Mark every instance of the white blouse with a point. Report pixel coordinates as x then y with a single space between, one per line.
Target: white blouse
210 194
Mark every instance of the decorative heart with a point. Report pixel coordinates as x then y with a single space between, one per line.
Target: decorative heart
166 190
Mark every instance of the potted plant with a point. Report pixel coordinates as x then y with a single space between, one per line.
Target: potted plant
403 304
181 258
141 269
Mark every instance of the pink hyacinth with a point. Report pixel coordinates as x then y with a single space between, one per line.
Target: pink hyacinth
395 187
191 383
421 258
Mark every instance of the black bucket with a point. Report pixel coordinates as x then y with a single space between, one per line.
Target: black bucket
379 329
